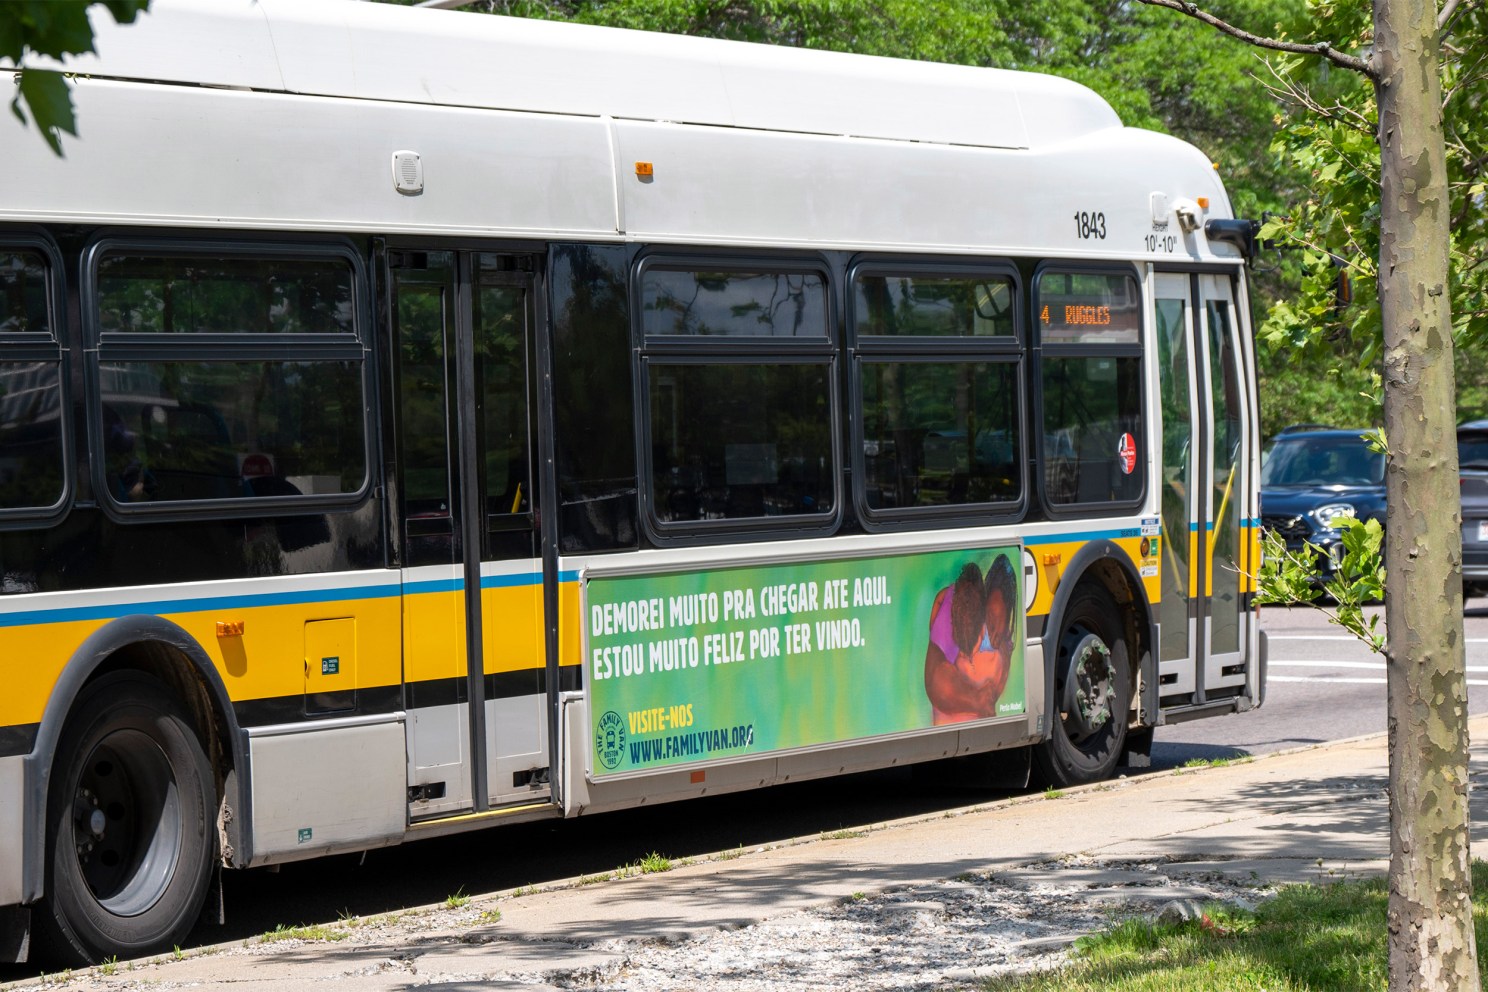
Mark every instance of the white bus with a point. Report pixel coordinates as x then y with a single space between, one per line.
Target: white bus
793 413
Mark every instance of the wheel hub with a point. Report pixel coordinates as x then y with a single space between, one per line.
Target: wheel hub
1089 688
127 822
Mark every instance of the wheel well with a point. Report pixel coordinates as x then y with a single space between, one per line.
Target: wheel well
1132 608
173 668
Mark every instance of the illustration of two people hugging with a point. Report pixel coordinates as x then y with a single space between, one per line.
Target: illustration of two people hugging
971 642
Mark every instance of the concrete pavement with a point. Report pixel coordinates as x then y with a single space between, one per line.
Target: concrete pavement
1315 812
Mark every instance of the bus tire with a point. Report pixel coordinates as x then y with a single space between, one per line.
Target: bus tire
1091 693
130 837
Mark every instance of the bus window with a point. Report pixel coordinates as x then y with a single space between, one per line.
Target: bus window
733 304
933 306
32 455
596 452
1091 379
1089 308
226 377
938 380
151 294
940 433
740 428
736 440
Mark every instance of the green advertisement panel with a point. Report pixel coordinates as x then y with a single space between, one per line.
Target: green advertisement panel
701 666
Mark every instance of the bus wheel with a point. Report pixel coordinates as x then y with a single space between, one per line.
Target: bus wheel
1091 692
129 824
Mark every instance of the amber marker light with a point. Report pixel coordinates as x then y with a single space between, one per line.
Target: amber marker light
644 170
1203 202
229 628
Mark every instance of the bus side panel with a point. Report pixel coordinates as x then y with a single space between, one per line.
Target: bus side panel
11 804
320 791
334 160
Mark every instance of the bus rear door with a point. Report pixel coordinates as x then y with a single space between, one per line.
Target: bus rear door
1205 627
474 667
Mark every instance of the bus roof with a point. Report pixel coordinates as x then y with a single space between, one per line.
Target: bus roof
301 115
374 51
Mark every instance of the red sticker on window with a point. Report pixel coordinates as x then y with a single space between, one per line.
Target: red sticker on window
1126 451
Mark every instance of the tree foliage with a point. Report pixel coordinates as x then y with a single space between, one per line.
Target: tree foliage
1327 129
52 29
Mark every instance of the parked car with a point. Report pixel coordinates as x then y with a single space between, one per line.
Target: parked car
1472 460
1311 478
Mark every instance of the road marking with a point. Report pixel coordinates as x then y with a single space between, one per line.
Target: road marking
1350 664
1315 678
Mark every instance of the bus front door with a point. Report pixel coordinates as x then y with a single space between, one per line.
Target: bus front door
1204 654
474 673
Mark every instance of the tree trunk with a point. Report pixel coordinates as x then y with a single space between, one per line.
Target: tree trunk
1430 914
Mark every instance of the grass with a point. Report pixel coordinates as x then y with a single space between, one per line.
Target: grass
317 932
1053 793
1308 938
654 863
457 899
1243 759
110 965
843 834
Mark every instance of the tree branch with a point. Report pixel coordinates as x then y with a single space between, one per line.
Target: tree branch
1448 11
1466 79
1286 90
1323 48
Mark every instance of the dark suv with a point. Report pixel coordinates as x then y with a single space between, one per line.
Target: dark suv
1311 478
1472 459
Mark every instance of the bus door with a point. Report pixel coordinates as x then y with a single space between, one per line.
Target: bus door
1204 479
474 672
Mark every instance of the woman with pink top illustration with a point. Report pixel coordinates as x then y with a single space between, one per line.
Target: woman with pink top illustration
971 643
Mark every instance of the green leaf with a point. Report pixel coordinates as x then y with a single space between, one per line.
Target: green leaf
125 11
58 27
45 93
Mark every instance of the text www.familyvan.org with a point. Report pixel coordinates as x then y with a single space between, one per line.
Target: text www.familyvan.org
695 744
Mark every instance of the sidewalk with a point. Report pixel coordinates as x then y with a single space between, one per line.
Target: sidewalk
1319 812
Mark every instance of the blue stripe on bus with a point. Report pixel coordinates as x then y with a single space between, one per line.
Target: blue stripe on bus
511 581
1089 535
433 585
112 611
524 579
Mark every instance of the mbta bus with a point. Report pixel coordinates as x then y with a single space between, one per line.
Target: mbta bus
412 421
